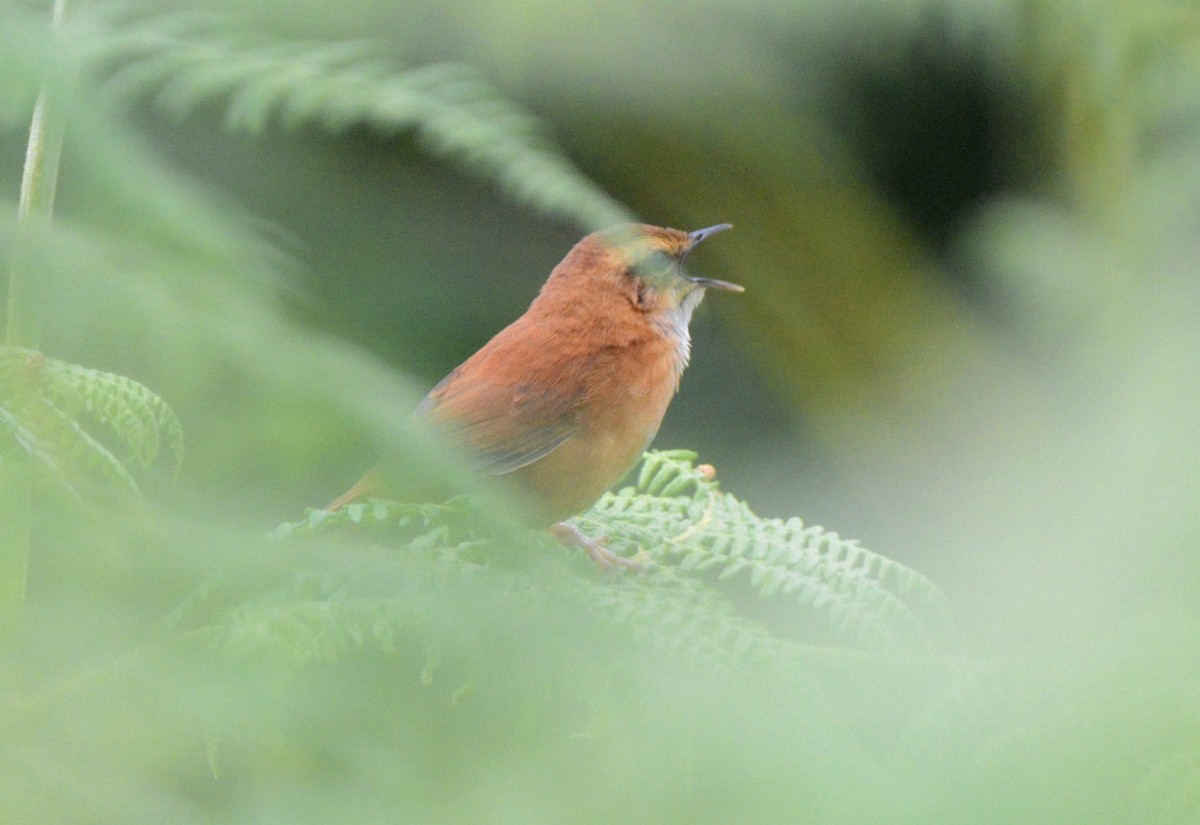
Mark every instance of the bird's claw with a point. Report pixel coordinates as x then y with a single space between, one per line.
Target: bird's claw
604 558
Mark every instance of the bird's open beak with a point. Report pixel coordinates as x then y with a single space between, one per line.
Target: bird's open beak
711 283
701 234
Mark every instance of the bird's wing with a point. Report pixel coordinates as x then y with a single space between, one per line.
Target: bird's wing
507 405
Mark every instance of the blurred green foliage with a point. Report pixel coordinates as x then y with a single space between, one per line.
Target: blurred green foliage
967 233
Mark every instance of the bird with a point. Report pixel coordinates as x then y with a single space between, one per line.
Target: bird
564 401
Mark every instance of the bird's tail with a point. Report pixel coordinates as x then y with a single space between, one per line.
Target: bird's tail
364 485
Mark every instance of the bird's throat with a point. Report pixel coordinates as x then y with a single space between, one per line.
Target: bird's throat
673 324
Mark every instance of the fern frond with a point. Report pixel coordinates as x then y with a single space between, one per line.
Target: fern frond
79 449
43 399
686 621
303 632
448 531
679 516
677 617
141 419
670 473
181 62
28 442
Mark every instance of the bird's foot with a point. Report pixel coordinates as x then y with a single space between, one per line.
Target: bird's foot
604 558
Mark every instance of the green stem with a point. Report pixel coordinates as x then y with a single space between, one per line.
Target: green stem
36 206
35 209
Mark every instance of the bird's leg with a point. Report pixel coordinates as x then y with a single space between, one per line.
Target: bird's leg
604 558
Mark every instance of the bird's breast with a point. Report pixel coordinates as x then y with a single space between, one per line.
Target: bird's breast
624 393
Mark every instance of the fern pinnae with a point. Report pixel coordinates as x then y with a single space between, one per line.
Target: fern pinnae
862 594
454 113
83 450
663 467
21 435
34 447
120 403
251 105
143 422
49 396
702 531
687 622
170 430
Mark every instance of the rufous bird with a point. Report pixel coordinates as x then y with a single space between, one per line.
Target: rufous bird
564 400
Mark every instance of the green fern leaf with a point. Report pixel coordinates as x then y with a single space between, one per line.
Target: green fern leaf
301 632
681 517
47 401
28 442
699 537
686 621
676 616
141 419
80 450
182 62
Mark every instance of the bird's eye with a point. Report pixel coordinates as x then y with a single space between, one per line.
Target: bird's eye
643 296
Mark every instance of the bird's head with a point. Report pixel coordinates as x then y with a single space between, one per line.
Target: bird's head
631 267
638 264
652 260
